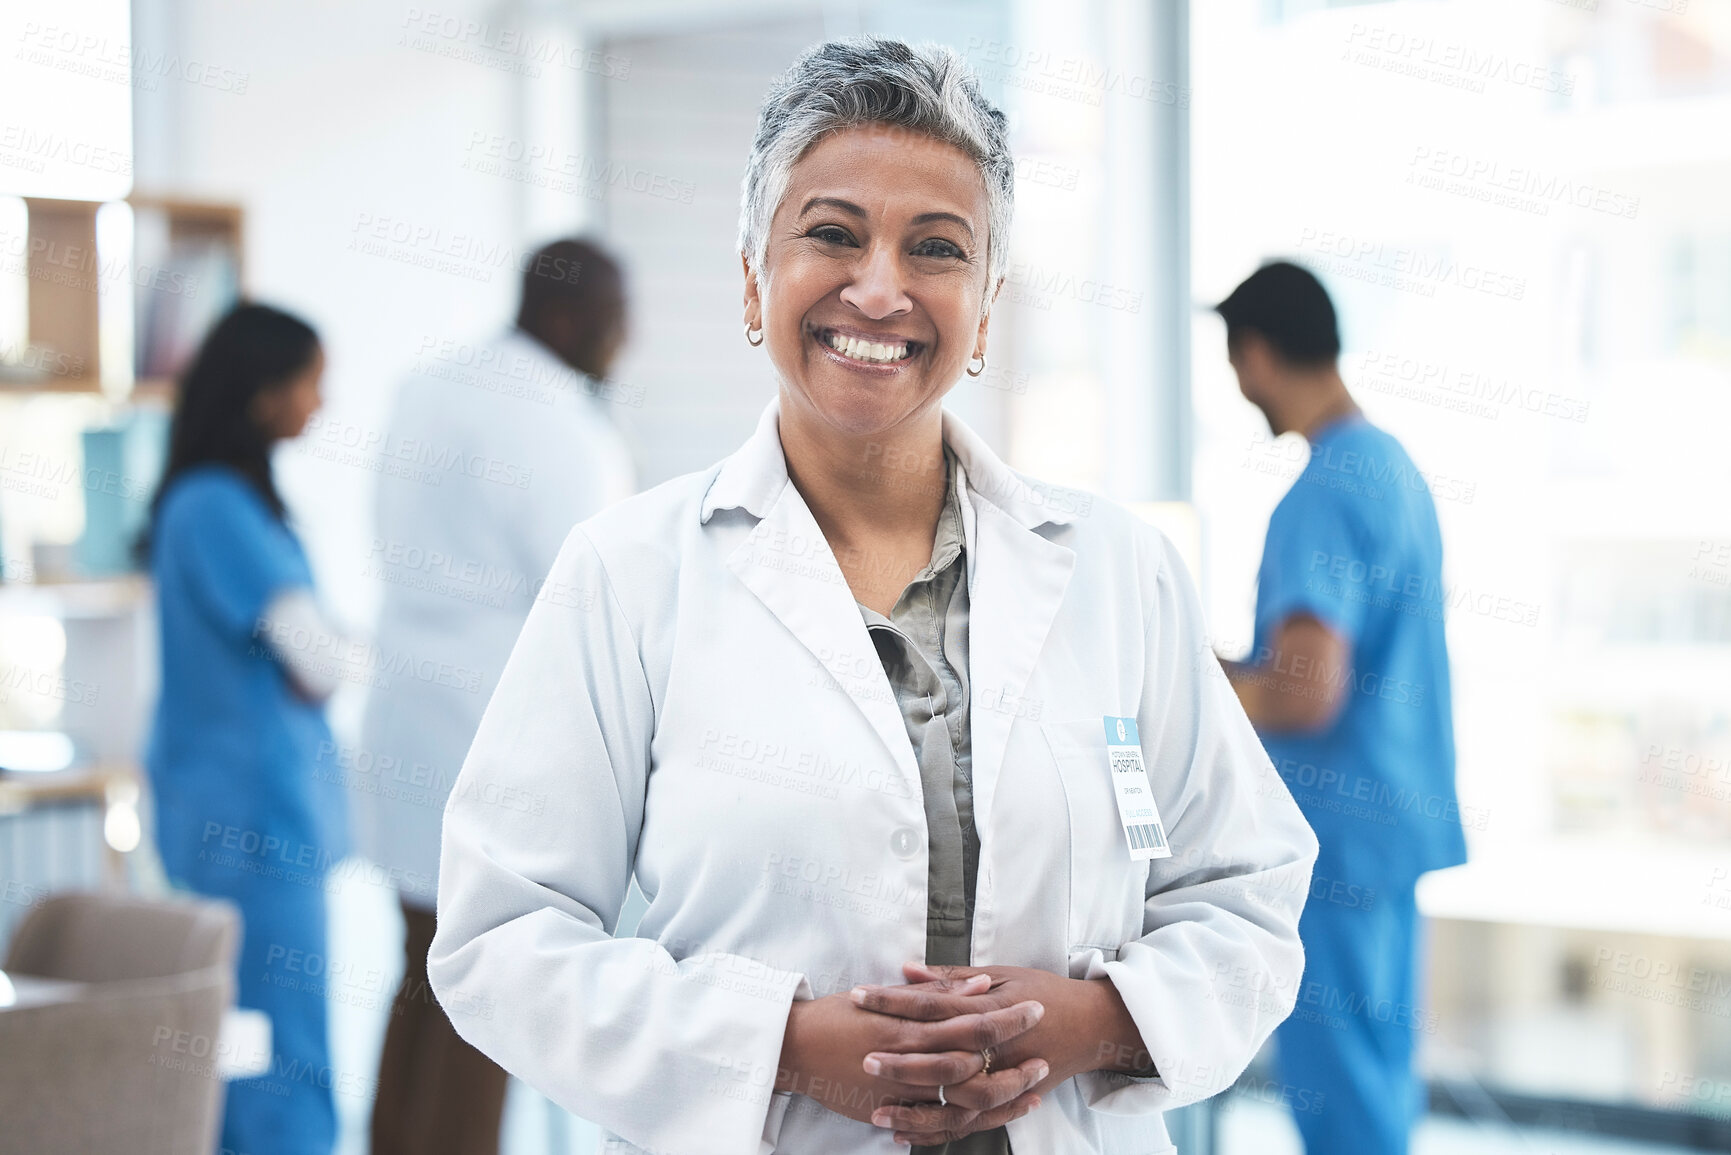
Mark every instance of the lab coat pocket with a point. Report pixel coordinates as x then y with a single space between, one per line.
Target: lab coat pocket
1107 887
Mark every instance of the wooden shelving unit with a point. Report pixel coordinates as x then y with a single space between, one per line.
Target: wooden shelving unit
75 828
103 787
63 273
64 314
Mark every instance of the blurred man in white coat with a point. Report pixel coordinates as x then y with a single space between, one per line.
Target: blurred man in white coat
494 452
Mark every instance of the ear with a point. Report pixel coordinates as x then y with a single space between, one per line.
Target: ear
555 325
753 296
986 320
1250 352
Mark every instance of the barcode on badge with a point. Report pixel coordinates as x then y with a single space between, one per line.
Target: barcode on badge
1147 836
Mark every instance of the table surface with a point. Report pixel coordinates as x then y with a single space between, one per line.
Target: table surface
1629 886
242 1049
93 782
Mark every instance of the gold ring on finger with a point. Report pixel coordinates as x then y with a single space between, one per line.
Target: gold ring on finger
986 1056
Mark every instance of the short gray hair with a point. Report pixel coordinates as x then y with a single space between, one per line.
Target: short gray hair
870 80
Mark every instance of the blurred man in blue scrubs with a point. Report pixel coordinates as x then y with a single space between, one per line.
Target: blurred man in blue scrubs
1348 685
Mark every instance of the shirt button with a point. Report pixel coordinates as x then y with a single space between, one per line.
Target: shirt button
905 842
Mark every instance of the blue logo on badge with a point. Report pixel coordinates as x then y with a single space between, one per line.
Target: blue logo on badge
1121 732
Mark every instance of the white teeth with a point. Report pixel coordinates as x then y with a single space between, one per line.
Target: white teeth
869 351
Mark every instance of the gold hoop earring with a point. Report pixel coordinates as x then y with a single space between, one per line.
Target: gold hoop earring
973 372
749 341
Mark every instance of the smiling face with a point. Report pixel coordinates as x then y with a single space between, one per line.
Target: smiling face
875 293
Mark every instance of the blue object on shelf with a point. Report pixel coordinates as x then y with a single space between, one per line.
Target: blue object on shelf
122 463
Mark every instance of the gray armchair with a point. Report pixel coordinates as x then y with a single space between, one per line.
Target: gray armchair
130 1064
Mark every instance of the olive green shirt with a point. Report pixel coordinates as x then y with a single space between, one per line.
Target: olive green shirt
923 646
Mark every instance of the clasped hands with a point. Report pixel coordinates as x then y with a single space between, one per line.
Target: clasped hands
879 1054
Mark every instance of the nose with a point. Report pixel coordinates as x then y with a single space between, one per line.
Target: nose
876 286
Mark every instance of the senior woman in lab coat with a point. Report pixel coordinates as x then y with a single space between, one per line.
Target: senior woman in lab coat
879 726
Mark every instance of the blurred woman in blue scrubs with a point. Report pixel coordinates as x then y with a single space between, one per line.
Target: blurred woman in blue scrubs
240 814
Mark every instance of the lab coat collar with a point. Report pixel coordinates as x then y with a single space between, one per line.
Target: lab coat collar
754 476
1016 583
584 389
523 341
786 562
990 480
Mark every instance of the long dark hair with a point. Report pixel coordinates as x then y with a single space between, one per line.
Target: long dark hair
254 348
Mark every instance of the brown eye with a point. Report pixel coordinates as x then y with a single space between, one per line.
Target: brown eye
830 235
937 247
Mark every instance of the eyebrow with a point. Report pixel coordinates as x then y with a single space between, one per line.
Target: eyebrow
854 210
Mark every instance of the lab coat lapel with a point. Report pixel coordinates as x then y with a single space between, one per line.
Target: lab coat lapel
787 563
1015 587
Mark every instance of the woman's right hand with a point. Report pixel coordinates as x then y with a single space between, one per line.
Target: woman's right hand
823 1057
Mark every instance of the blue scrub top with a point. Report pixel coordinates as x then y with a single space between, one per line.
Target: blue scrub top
1355 543
234 750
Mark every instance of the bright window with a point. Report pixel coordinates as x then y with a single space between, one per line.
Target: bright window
1523 212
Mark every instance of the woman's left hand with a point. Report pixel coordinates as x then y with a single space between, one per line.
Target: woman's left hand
1086 1027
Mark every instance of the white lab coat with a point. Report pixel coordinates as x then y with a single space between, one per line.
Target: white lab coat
493 452
710 714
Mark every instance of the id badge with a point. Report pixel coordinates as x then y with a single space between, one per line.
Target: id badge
1143 830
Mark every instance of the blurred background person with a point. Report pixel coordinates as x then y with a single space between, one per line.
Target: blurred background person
530 450
240 812
1348 686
